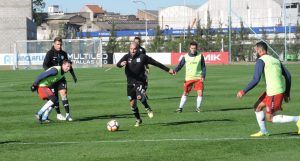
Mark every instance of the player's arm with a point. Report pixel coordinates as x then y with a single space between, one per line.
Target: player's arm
46 74
203 67
288 82
122 62
47 61
147 66
151 61
259 68
180 65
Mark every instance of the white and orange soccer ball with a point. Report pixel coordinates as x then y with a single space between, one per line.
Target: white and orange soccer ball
112 126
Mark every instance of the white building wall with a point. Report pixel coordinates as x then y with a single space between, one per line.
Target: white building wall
255 13
177 17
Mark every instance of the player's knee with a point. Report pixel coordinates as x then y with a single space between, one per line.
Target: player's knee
63 92
139 97
53 99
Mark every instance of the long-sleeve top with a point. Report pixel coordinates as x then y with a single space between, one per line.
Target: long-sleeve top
182 63
135 70
258 72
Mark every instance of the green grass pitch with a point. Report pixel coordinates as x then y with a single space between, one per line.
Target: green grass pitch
220 132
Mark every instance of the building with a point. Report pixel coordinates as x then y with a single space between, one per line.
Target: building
15 23
253 13
94 11
147 14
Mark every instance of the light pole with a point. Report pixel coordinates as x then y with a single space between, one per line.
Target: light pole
146 23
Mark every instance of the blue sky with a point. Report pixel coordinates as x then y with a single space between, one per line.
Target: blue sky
119 6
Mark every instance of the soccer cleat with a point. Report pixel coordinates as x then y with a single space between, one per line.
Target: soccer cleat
150 112
60 117
38 118
260 134
179 110
298 125
68 117
138 123
198 109
47 121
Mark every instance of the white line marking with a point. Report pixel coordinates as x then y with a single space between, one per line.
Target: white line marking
108 69
150 140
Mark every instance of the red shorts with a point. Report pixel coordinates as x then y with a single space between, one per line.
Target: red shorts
45 93
273 103
187 86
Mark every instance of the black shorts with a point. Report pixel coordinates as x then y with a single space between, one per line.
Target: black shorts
61 84
133 90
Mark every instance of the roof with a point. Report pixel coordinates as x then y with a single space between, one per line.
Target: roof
95 8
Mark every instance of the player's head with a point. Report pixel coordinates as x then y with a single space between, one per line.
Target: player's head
57 43
261 48
193 47
133 48
137 40
66 65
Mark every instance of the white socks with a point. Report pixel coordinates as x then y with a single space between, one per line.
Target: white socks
284 119
45 107
182 101
199 100
47 113
260 117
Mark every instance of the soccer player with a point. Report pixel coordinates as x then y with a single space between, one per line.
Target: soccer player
46 80
134 63
55 57
194 75
278 84
142 50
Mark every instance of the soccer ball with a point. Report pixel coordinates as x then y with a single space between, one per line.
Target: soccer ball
112 125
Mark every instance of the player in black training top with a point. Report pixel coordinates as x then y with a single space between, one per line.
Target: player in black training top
134 63
54 57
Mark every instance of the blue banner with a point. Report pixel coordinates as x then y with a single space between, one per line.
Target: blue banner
178 32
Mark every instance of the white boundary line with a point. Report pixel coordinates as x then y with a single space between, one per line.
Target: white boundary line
150 140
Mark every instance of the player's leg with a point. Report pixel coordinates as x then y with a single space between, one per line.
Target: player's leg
46 94
140 92
199 88
133 104
59 116
62 89
260 116
187 86
275 106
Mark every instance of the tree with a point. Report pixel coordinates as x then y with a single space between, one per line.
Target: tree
156 45
112 43
37 7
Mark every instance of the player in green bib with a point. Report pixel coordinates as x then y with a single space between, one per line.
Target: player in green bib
278 84
195 72
43 83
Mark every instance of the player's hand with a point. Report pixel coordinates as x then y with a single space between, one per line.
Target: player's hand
123 63
171 71
286 98
202 79
147 70
33 87
240 94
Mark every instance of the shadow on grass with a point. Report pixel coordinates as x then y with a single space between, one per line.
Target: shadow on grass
286 134
193 122
230 109
89 118
8 142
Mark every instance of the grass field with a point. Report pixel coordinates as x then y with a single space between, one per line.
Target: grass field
220 132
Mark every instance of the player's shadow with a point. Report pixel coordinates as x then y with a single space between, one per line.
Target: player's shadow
193 122
230 109
8 142
286 134
89 118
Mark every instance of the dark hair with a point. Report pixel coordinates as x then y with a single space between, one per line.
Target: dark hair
262 45
67 61
194 43
57 39
137 38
